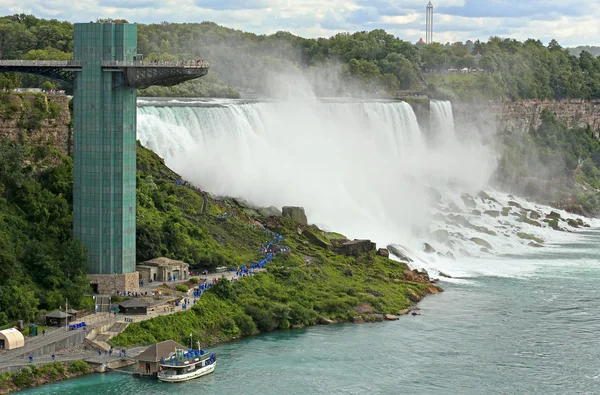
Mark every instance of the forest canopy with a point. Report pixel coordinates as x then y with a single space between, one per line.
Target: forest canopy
360 63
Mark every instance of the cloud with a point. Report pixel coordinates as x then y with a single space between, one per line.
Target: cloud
571 23
232 4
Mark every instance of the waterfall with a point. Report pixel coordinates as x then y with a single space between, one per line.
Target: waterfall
361 168
442 122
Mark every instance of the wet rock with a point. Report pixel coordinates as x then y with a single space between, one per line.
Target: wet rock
553 214
383 252
398 253
505 211
534 244
512 203
296 214
403 312
450 255
572 222
484 196
468 201
454 207
391 317
492 213
428 249
534 215
440 235
476 212
358 320
481 242
485 250
458 219
464 252
579 221
529 221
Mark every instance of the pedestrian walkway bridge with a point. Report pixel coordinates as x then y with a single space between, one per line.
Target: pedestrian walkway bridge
138 74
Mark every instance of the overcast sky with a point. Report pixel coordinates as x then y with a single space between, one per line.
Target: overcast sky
570 22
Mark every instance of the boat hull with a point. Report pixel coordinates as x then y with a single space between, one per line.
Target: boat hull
188 376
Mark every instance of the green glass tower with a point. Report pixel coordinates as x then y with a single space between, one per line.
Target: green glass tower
104 112
106 74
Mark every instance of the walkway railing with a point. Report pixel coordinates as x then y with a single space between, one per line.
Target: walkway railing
196 64
47 63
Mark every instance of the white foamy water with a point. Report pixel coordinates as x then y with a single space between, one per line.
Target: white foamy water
360 168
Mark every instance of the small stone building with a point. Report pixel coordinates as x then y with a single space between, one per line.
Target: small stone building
163 270
149 359
133 306
57 318
10 339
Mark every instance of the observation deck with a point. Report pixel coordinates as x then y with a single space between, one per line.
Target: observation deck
137 74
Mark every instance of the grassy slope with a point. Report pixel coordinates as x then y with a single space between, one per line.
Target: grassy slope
289 294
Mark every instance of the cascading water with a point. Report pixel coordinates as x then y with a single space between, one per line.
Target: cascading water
360 168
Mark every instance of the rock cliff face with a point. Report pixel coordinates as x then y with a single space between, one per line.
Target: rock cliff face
36 118
525 115
296 214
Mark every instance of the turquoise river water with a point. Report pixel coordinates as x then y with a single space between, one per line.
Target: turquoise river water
534 330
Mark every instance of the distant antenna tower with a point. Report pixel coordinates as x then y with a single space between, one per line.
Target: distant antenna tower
429 22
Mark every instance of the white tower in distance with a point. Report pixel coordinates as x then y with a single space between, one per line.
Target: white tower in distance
429 23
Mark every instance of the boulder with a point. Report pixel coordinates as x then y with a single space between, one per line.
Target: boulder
514 204
481 242
428 249
442 274
383 252
325 321
355 247
296 214
358 320
553 214
492 213
403 312
572 222
391 317
476 212
534 215
440 235
269 211
450 255
468 201
396 252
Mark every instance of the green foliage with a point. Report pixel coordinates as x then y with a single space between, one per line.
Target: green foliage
361 62
41 265
548 163
181 288
194 280
288 294
79 367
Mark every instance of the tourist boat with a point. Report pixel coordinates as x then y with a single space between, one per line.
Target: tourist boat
184 365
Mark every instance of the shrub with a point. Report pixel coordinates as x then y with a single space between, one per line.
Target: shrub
181 288
79 367
24 377
262 319
244 323
194 280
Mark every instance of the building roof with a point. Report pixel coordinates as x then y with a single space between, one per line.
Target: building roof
132 303
162 261
72 311
57 314
159 350
12 338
